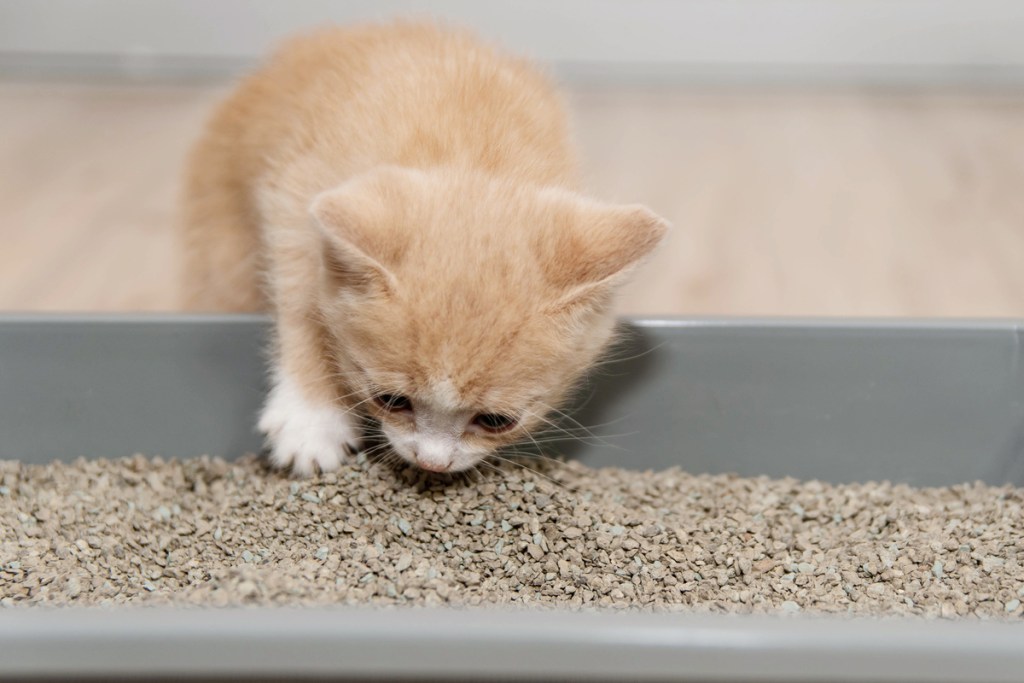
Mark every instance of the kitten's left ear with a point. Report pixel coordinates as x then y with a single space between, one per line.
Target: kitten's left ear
597 246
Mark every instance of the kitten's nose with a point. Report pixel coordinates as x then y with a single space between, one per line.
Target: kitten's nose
432 464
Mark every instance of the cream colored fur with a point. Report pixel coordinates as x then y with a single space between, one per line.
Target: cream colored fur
404 200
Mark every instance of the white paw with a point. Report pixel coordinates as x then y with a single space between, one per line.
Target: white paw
303 436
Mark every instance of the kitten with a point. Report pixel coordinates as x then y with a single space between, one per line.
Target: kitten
404 199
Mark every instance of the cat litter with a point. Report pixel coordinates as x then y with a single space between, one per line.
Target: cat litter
209 532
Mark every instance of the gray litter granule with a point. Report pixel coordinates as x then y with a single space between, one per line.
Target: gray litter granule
210 532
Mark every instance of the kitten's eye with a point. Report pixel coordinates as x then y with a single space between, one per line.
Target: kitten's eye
393 403
495 423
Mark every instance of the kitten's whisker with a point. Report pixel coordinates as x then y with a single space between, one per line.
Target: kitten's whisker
548 432
565 434
467 474
533 440
376 450
612 359
491 466
600 424
582 430
577 434
579 439
531 470
534 456
565 416
391 460
512 461
353 406
543 417
600 443
579 426
549 424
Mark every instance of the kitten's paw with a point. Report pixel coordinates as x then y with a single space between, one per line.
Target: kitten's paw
304 437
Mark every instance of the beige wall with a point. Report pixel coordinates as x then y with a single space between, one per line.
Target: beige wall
708 40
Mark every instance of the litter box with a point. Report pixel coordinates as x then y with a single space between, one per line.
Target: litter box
925 403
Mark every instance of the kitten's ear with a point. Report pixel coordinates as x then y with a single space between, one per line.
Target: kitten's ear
357 252
597 246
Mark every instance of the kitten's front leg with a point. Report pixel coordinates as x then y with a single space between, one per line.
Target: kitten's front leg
306 434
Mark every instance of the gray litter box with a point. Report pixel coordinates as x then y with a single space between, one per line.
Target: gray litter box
927 403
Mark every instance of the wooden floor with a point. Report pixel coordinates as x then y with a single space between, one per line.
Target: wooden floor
783 203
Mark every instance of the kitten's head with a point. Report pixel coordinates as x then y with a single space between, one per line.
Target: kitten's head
461 309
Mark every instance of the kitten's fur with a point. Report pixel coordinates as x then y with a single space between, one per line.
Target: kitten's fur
404 200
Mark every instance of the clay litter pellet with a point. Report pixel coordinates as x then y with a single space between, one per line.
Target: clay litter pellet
209 532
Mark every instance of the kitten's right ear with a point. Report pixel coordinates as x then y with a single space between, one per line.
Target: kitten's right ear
354 248
595 247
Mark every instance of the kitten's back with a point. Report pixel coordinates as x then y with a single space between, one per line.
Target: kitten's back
408 94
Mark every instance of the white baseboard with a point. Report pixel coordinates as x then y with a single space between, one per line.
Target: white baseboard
849 41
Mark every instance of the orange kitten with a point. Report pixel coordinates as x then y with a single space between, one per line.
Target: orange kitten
404 199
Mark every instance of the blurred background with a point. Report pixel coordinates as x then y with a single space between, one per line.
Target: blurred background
816 157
